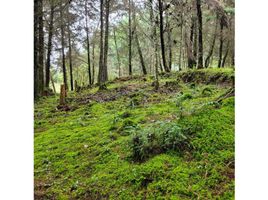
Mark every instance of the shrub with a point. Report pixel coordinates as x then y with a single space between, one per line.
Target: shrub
154 140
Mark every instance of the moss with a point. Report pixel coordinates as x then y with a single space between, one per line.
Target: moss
81 154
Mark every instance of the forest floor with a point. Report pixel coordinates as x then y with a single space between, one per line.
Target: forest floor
132 142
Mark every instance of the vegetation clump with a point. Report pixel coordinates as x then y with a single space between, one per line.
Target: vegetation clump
152 141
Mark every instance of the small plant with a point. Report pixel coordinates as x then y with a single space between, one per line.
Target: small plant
152 141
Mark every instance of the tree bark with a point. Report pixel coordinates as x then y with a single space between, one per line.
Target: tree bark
129 38
154 38
41 49
101 77
207 60
200 35
225 55
49 45
36 74
169 43
70 52
144 71
160 3
88 46
221 42
62 45
106 39
117 55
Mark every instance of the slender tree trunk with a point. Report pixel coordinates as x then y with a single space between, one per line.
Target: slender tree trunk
49 45
169 43
129 38
155 43
88 45
144 71
106 39
101 77
221 42
190 45
36 70
52 82
93 62
117 55
63 46
207 60
160 3
225 55
41 49
200 35
70 53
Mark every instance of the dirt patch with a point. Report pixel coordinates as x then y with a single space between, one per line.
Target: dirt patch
40 190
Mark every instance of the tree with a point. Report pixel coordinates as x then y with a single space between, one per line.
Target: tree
160 4
63 45
129 38
49 45
36 75
88 45
70 48
41 49
101 77
200 35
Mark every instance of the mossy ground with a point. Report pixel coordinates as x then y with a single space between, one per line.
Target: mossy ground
85 154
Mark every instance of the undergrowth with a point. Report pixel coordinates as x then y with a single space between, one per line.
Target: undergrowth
175 143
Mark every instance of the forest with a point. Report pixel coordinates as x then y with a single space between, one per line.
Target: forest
134 99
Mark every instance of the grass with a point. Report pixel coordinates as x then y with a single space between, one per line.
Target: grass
86 153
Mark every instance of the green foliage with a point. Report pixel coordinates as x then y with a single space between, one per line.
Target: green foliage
88 153
150 141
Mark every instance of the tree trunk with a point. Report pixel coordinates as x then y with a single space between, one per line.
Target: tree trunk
207 61
93 63
41 49
49 45
101 77
144 71
117 55
190 46
106 38
200 35
88 46
162 36
70 54
129 38
221 42
53 85
154 24
36 74
225 56
169 43
62 46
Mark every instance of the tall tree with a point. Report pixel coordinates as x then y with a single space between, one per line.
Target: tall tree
88 45
221 41
41 48
101 77
106 38
36 75
210 52
162 40
49 44
129 38
63 45
144 71
117 54
70 48
200 34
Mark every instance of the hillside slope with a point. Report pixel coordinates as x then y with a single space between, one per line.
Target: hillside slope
131 142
